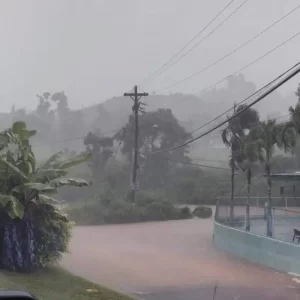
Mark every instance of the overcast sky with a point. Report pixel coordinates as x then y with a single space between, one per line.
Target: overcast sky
95 49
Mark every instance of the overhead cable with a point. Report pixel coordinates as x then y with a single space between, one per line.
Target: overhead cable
170 62
231 52
250 64
276 86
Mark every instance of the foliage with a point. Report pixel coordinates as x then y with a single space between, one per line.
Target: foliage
101 151
158 130
233 137
57 283
121 211
202 212
52 235
29 216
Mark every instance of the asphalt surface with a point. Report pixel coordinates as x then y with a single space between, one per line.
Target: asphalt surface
171 260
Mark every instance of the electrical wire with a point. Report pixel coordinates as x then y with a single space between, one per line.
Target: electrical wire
235 115
231 52
203 39
253 94
239 103
71 139
250 64
198 165
185 46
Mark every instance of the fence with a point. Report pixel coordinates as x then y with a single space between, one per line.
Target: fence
285 215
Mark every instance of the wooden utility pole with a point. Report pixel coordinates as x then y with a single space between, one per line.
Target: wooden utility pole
136 108
231 213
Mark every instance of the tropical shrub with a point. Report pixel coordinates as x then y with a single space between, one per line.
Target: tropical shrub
33 232
122 211
202 212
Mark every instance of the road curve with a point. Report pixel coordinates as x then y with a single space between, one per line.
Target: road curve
171 260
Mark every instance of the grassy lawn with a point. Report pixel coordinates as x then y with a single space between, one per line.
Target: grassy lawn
56 283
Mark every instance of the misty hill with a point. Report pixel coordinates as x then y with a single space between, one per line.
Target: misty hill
60 127
193 111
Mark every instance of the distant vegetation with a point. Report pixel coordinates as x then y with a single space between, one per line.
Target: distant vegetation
118 212
34 231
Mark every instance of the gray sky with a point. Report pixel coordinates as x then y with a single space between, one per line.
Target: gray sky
95 49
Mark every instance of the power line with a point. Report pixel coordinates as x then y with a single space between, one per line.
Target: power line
231 52
250 64
224 113
212 160
239 103
71 139
185 46
198 165
203 39
235 115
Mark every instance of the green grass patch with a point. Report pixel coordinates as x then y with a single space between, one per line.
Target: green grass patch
57 283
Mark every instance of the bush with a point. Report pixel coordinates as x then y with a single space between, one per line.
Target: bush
145 209
52 236
185 212
202 212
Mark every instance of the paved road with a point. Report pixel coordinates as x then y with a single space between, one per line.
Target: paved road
171 260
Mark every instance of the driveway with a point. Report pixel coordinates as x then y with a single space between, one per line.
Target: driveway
171 260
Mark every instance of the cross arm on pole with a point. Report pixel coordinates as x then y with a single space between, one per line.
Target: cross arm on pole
136 94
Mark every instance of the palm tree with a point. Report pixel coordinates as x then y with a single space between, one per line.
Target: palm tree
269 134
250 154
23 195
233 136
291 129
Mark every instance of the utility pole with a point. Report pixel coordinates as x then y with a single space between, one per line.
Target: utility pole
231 212
136 108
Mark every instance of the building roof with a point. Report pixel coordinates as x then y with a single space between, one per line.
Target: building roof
286 176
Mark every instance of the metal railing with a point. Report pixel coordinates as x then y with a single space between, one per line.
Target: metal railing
285 216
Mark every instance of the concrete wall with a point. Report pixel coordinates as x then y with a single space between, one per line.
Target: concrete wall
277 254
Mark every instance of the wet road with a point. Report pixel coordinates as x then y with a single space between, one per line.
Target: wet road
171 260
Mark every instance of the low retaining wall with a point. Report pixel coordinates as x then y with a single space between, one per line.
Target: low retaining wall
273 253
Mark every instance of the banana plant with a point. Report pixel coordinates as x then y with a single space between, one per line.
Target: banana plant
25 189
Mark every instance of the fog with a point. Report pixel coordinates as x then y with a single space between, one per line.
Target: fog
65 66
97 49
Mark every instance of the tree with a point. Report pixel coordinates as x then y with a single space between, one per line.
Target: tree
269 134
158 130
101 151
233 136
250 153
28 215
43 109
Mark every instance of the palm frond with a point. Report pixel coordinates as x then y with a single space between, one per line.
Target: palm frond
69 182
13 207
13 168
78 159
287 137
34 186
47 199
52 162
224 136
47 175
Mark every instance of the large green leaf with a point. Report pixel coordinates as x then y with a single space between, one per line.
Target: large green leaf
21 130
70 182
78 159
46 175
36 186
14 208
52 162
13 168
53 213
47 199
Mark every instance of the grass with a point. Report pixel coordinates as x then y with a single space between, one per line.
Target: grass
58 284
